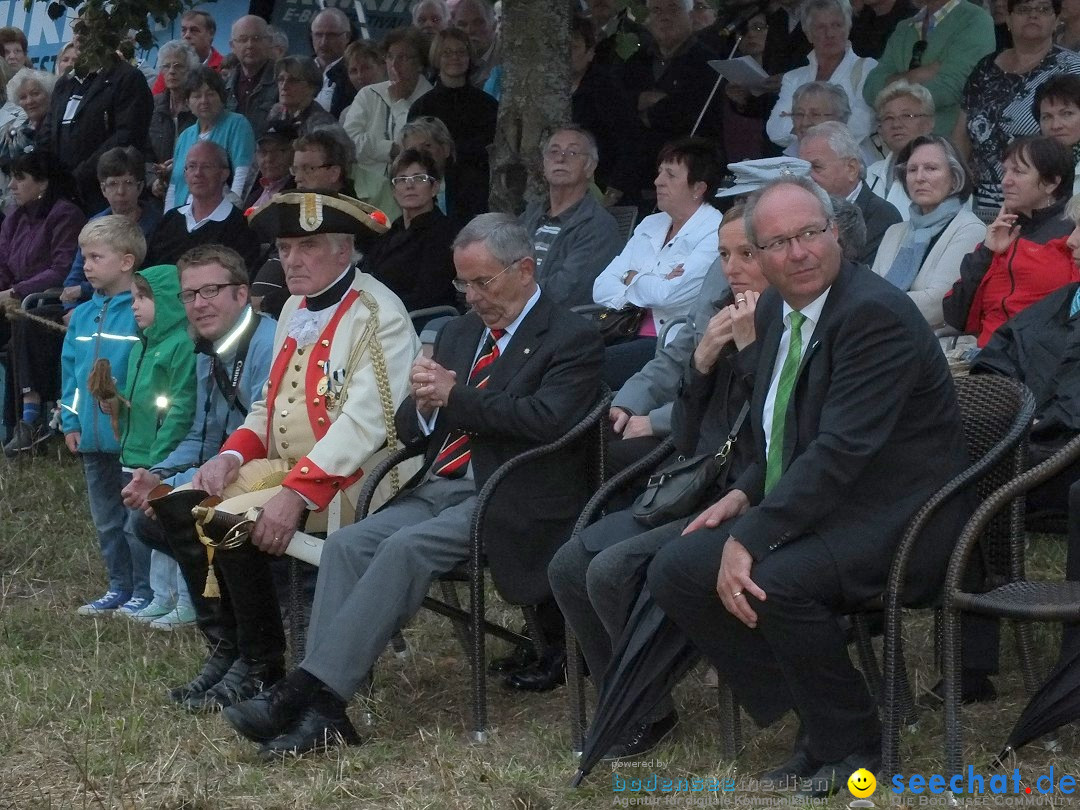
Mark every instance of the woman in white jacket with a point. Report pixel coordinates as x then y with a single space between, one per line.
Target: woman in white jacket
922 256
827 24
379 111
904 112
663 265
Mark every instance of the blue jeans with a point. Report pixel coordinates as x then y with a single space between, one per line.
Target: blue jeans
126 558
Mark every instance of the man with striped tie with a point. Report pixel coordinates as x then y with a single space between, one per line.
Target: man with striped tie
514 373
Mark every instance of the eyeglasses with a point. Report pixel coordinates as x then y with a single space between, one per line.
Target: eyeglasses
805 237
479 286
554 153
296 171
1040 10
411 179
168 67
917 51
204 167
903 118
116 185
206 292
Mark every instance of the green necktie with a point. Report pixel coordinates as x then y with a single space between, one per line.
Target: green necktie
775 462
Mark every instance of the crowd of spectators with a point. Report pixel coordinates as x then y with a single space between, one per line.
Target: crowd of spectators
940 146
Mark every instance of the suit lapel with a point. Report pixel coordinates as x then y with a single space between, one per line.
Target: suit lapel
522 346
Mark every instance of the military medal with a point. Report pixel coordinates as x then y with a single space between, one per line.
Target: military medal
322 388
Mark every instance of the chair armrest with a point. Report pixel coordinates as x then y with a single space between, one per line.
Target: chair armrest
39 299
487 492
665 330
619 480
431 312
380 471
999 499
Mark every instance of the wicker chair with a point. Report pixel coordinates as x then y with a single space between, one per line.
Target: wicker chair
997 413
730 731
471 625
1011 597
625 217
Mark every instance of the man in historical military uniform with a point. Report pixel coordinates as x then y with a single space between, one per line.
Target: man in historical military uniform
342 353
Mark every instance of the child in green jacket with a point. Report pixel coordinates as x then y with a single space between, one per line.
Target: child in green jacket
157 414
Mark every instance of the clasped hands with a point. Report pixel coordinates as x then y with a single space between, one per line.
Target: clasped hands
734 323
430 384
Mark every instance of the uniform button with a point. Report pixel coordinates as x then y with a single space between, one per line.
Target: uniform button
296 367
291 461
322 421
284 445
294 384
282 429
292 400
325 342
300 352
284 413
305 470
315 401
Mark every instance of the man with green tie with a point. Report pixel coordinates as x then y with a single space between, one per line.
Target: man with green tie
856 424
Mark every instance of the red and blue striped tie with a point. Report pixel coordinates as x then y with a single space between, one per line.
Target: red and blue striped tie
453 458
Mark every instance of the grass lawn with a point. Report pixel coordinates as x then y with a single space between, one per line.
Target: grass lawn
85 721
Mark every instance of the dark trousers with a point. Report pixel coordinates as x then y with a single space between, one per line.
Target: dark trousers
797 657
623 360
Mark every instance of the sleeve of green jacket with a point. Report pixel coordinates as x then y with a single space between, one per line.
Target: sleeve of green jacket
181 413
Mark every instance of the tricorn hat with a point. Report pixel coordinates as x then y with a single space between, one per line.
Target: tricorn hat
305 213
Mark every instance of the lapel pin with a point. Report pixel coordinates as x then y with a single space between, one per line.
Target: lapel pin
526 350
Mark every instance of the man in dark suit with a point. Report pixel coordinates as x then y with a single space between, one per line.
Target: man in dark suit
331 33
836 165
89 115
514 373
852 435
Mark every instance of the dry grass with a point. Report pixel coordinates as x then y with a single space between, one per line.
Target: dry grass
84 721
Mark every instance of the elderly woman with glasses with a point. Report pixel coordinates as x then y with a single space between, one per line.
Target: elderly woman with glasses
815 103
299 80
1000 92
414 258
205 94
905 111
379 111
922 255
827 24
171 115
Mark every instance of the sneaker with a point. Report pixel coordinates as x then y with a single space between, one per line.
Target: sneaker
25 437
104 604
175 619
132 606
152 611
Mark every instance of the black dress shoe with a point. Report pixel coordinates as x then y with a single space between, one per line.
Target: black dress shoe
975 688
243 681
799 765
265 716
521 658
644 738
548 673
829 778
212 671
315 730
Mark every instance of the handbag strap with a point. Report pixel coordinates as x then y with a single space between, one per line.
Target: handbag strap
733 434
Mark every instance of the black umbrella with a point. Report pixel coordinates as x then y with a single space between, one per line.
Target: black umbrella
1056 703
651 657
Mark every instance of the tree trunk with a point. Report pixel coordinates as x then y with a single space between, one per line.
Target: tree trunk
535 50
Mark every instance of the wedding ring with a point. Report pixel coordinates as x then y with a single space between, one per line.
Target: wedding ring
740 299
736 594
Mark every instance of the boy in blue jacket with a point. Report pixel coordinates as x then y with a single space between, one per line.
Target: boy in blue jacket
104 328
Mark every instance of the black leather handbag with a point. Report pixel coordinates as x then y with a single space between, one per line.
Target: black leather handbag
619 325
680 487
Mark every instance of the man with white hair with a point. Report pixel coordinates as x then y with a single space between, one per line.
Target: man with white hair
574 236
836 165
